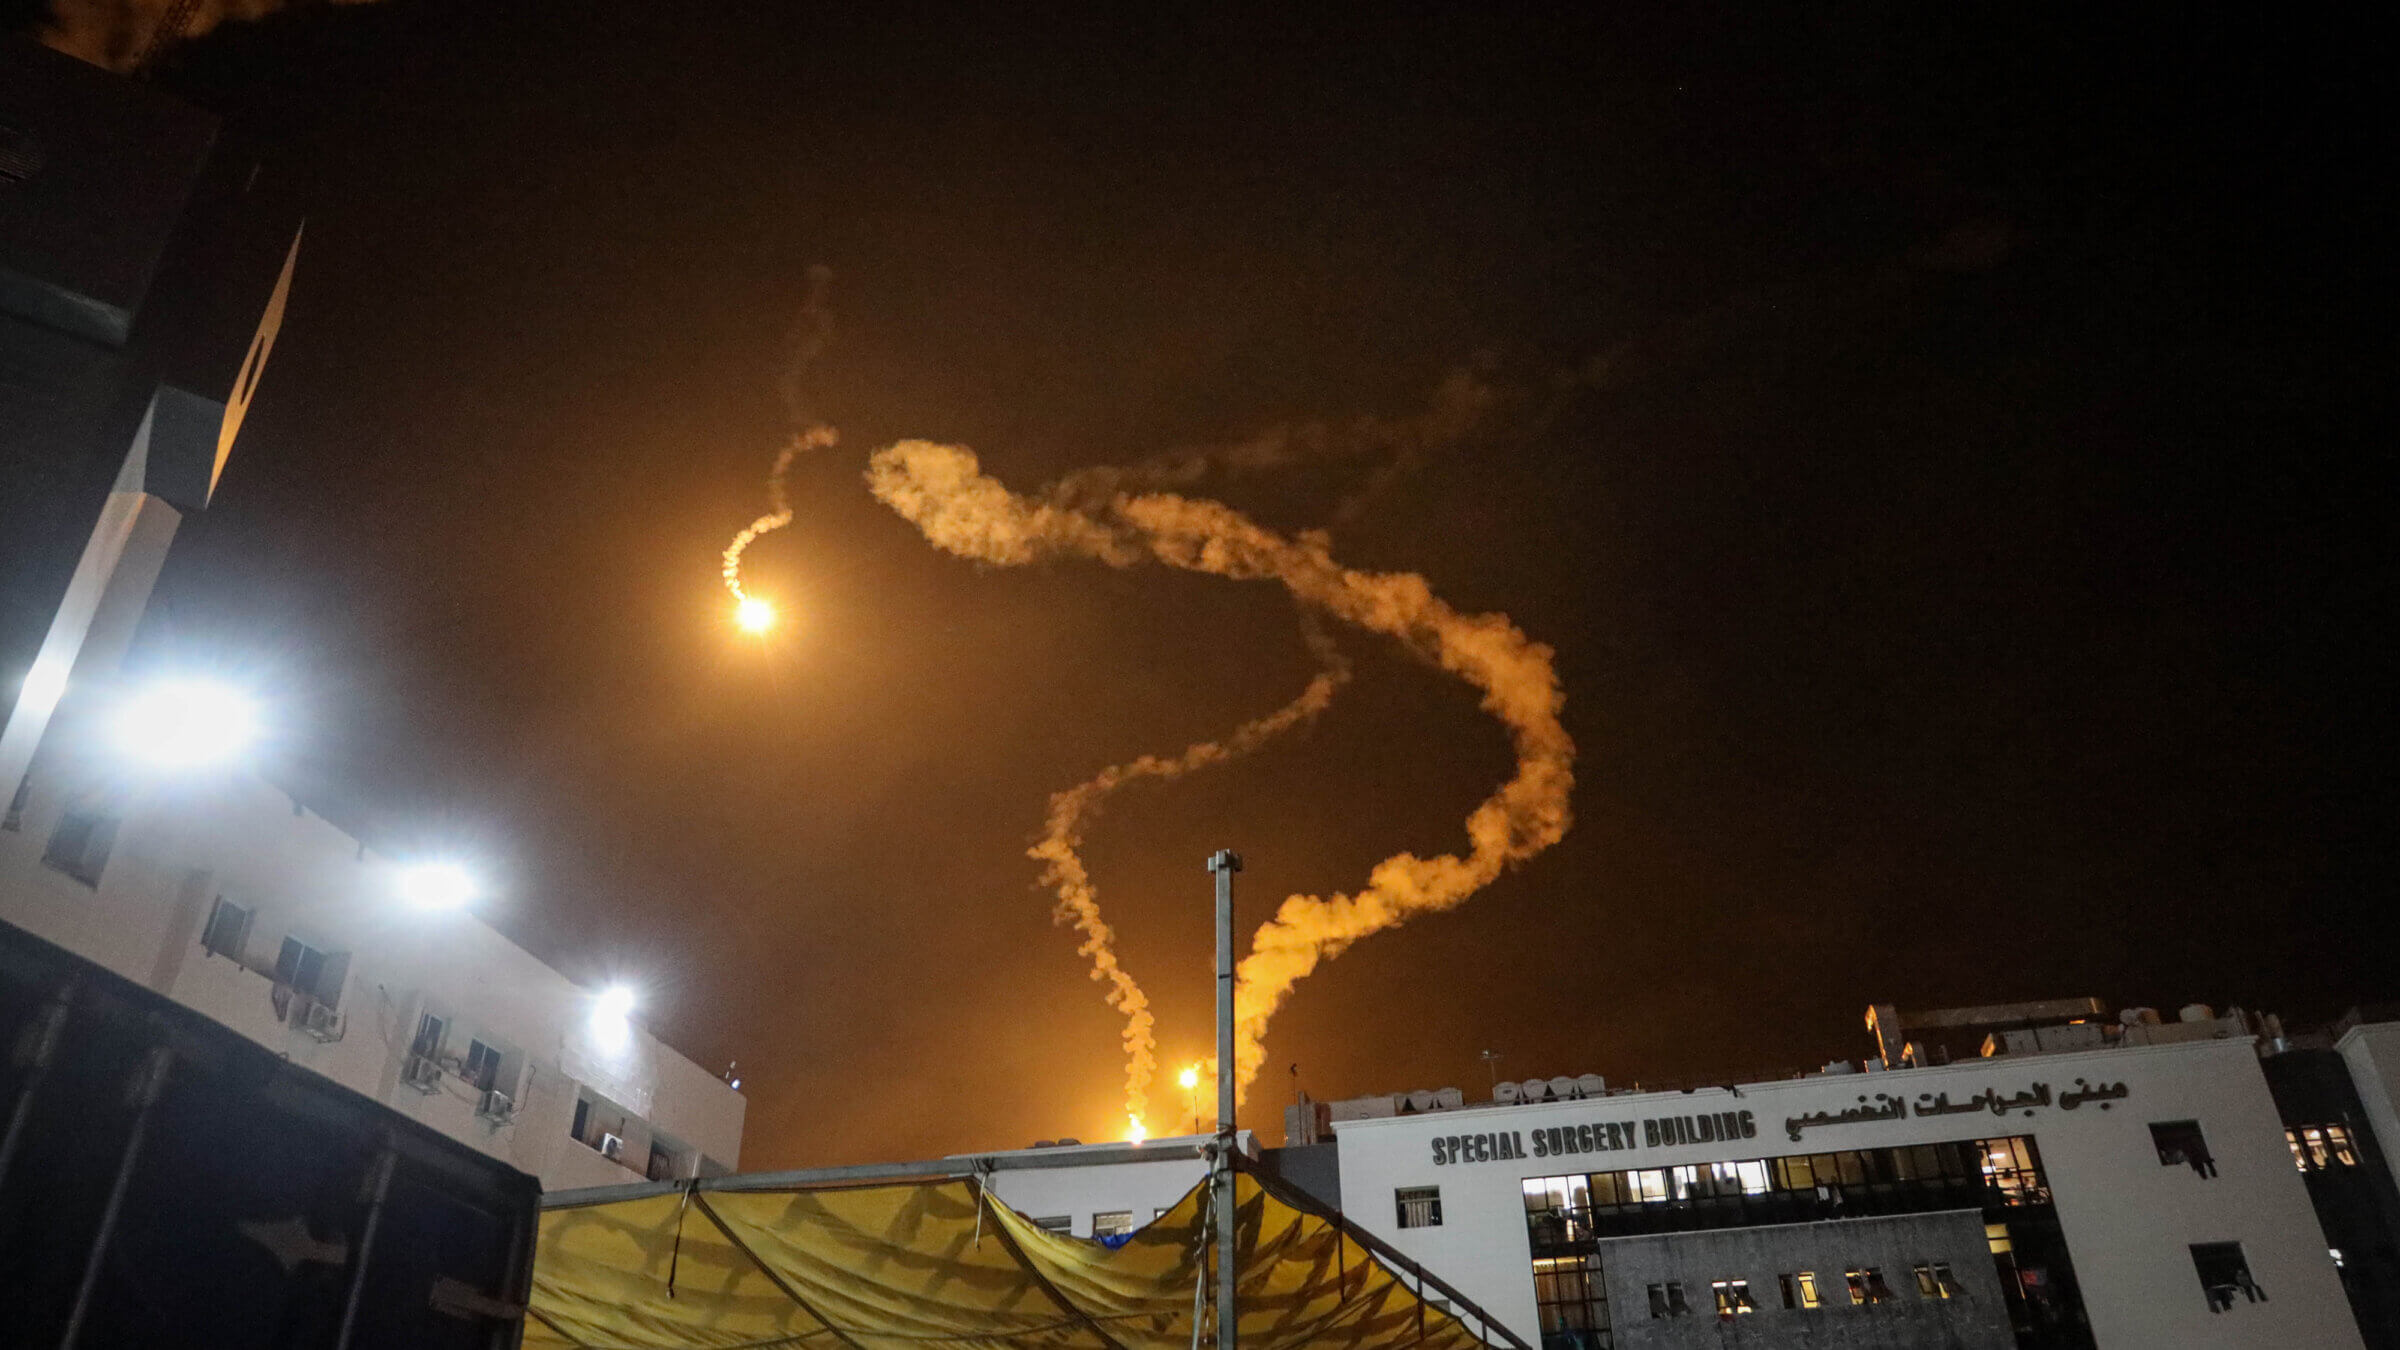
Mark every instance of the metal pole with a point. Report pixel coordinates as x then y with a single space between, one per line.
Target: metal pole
375 1191
40 1046
149 1082
1225 862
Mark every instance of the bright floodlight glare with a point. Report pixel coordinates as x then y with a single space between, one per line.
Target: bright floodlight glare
437 885
615 1003
44 685
1190 1078
754 615
1136 1132
186 723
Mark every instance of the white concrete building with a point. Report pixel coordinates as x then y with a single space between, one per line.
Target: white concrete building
2142 1185
232 898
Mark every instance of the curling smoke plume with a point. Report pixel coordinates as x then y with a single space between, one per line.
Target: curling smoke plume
810 332
942 491
127 35
1079 900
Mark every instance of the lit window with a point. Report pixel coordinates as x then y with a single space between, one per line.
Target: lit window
2318 1147
2180 1144
1112 1223
2224 1274
1799 1291
1419 1206
1571 1296
1867 1286
1733 1296
1996 1235
1947 1282
81 844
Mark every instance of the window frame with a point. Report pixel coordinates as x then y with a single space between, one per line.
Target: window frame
1424 1202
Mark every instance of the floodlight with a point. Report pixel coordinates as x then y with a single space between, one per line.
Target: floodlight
438 885
186 723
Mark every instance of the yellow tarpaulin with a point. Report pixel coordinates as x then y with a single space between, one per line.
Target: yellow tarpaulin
940 1262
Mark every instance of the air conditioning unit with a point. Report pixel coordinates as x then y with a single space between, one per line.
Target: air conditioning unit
612 1147
496 1107
422 1073
319 1021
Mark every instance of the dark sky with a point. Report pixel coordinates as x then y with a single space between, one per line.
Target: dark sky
1968 582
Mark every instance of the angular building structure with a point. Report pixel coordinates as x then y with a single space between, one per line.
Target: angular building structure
144 274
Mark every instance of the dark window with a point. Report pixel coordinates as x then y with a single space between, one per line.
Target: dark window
1658 1300
314 973
662 1162
228 930
1419 1206
1573 1302
1676 1306
429 1037
2316 1148
583 1117
1056 1223
80 845
1867 1286
1947 1282
2224 1274
481 1067
2180 1143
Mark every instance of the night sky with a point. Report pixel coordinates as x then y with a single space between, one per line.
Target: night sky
1966 549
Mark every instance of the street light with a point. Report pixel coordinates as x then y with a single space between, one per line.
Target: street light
438 885
186 723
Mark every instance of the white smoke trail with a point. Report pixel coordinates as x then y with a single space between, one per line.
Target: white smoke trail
1079 899
809 334
944 493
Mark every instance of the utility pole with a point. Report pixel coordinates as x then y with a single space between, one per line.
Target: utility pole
1225 862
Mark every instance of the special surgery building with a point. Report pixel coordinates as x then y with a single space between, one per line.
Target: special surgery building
2084 1183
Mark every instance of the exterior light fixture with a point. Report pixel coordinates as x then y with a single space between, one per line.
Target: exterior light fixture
438 885
611 1009
186 724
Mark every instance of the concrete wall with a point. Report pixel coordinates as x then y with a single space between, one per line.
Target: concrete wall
1166 1170
2128 1221
2372 1050
182 844
1975 1318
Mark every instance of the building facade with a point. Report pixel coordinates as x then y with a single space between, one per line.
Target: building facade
2128 1184
144 271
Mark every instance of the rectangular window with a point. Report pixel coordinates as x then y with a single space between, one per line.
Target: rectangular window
1573 1300
583 1118
2180 1144
662 1162
481 1067
1800 1290
81 844
1419 1206
1056 1223
1658 1300
314 973
1947 1282
1676 1306
1866 1285
2318 1147
228 930
1733 1297
1927 1286
429 1037
2224 1274
1112 1223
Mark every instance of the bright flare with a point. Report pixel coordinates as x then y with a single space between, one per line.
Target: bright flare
1190 1078
754 615
438 885
181 724
1137 1131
